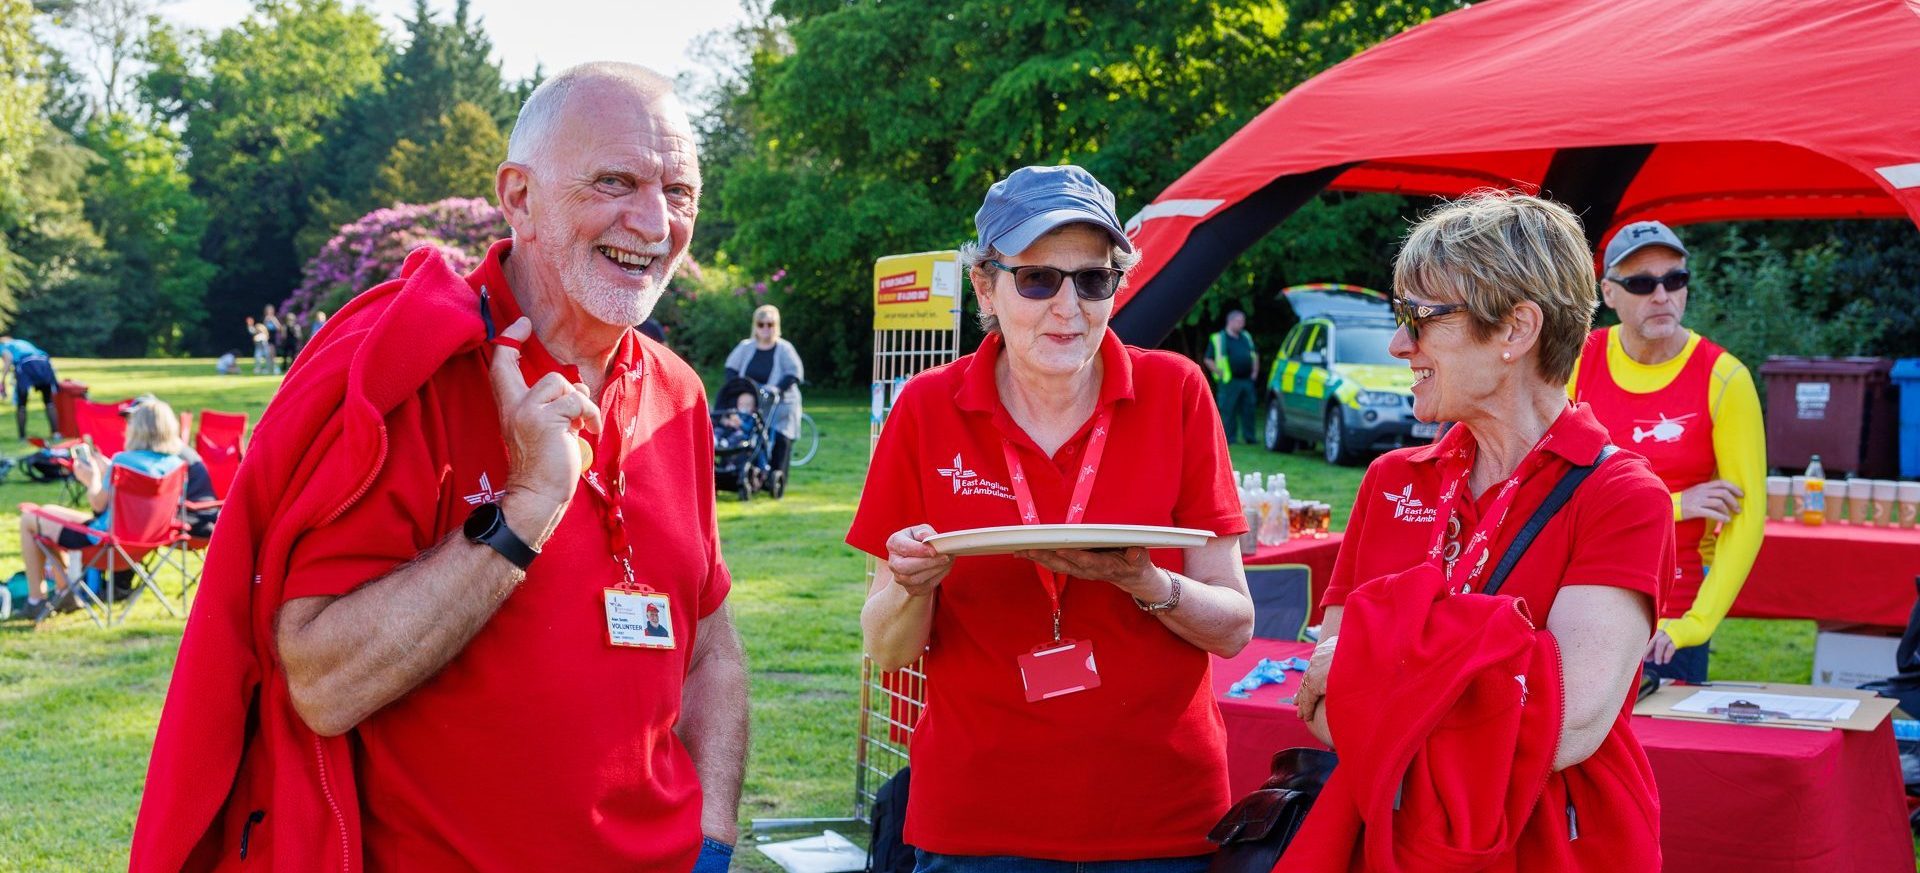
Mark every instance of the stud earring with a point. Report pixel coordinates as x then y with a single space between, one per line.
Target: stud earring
1506 356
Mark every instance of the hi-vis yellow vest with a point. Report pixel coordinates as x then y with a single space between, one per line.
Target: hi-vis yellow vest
1222 372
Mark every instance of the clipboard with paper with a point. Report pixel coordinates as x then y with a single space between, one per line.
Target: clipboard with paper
1769 704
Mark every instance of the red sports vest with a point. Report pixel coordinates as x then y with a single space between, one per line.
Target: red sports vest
1672 428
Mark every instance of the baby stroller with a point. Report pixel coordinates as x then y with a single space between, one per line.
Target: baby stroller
743 440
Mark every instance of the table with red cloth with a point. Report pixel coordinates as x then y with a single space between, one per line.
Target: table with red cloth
1317 554
1734 798
1845 573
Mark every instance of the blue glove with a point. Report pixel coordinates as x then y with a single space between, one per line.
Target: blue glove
1267 672
715 856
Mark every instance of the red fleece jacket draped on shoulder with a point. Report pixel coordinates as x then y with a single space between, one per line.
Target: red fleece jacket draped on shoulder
1446 710
234 768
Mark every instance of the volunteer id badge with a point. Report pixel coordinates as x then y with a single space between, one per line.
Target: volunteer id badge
1058 668
639 619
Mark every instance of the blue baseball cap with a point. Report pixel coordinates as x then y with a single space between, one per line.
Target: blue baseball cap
1639 235
1033 200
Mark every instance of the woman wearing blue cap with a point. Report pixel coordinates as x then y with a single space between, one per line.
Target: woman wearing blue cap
1070 722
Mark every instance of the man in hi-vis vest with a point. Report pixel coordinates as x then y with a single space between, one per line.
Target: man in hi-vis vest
1690 408
1231 360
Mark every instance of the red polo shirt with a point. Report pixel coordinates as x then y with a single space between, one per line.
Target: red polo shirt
1601 537
1617 530
539 746
1135 768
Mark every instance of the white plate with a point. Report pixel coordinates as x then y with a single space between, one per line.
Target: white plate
1014 537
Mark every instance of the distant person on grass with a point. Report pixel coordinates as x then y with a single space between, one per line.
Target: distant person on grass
276 337
411 648
772 362
262 346
156 448
32 371
1232 362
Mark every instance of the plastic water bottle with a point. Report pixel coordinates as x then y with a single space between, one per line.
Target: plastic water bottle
1273 516
1813 507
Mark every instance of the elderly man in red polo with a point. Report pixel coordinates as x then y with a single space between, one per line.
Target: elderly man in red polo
421 644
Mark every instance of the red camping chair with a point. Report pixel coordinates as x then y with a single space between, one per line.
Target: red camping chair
142 535
220 446
102 422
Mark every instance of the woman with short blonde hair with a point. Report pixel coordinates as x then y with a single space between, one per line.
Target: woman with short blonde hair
1494 295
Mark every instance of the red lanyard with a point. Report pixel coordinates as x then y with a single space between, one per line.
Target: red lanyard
1473 553
608 478
1056 583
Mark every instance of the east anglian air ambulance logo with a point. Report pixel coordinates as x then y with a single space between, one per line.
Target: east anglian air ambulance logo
958 472
1407 506
1662 429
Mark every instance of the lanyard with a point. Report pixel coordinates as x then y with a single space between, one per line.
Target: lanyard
607 479
1056 583
1458 464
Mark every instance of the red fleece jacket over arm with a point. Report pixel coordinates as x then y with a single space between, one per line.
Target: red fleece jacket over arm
235 774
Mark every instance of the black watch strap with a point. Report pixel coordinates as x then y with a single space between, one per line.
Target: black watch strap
487 525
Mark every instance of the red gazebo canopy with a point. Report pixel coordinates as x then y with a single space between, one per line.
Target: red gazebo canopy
1705 110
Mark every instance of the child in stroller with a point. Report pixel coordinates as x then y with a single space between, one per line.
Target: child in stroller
742 438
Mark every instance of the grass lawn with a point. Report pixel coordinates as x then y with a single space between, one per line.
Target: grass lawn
78 705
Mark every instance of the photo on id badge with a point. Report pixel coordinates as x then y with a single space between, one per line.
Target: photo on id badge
642 619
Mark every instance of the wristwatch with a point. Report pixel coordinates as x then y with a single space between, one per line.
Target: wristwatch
487 525
1167 605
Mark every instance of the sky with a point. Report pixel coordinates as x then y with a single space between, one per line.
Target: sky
553 33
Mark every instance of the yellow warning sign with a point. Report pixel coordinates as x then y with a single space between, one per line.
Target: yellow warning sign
916 292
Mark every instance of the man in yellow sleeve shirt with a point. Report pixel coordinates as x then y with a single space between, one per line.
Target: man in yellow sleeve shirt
1690 408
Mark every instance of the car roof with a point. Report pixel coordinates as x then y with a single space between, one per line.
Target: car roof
1337 301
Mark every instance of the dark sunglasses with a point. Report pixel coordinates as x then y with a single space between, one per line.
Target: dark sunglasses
1642 285
1409 314
763 324
1041 283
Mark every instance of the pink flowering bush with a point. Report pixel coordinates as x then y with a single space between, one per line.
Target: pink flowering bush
372 249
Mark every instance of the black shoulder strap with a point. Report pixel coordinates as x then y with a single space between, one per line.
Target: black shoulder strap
1562 492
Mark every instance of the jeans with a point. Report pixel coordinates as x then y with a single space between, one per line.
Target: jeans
928 862
1237 404
715 856
1688 665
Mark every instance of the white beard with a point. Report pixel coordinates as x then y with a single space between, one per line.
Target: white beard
607 301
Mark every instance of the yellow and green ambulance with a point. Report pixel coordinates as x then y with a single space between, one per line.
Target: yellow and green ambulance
1332 381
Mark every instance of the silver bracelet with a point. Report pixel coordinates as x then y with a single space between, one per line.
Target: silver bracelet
1167 605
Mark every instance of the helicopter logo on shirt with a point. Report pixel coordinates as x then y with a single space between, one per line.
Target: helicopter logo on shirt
966 481
1663 430
1409 507
486 494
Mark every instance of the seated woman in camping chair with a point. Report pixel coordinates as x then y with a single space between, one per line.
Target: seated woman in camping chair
156 448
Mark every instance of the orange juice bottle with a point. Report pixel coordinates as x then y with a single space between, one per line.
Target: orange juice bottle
1813 507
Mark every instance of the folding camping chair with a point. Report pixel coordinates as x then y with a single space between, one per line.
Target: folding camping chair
1282 600
142 535
103 423
220 447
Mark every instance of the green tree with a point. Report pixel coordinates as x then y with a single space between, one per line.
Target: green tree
443 64
255 101
63 296
21 95
138 197
882 125
458 162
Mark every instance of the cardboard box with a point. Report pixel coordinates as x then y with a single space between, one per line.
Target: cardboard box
1853 657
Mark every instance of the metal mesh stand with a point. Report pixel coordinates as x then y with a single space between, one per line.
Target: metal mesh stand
890 703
